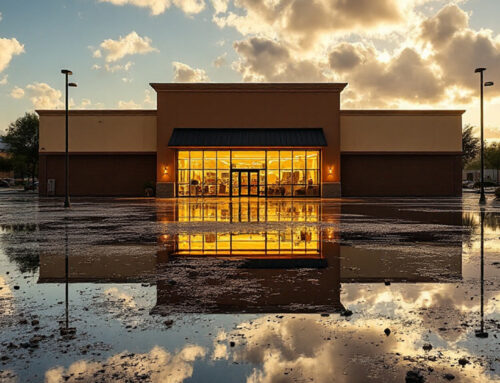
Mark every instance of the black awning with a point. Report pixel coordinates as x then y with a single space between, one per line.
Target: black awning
247 137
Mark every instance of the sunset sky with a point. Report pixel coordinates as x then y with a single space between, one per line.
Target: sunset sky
395 54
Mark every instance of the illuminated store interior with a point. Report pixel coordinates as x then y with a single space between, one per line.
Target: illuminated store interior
262 173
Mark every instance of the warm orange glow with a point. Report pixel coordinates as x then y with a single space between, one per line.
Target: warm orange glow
330 170
298 240
330 233
165 170
278 173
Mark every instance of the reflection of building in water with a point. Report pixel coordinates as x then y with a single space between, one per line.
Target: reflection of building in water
102 264
286 240
261 256
368 265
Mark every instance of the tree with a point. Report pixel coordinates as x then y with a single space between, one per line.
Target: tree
492 155
470 145
22 141
5 164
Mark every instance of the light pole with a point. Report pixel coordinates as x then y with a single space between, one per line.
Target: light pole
482 198
67 73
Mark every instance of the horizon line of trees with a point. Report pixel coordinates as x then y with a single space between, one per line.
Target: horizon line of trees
471 147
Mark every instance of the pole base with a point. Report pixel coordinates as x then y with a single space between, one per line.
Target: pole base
481 334
67 204
482 200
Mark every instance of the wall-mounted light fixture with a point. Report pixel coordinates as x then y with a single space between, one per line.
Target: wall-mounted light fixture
165 170
330 170
330 233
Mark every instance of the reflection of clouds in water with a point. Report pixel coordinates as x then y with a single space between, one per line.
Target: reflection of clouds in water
220 352
298 348
304 347
119 296
158 364
6 298
8 376
424 306
401 299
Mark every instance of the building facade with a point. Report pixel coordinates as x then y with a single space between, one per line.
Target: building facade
257 140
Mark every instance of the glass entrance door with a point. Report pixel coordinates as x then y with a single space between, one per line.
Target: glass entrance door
245 183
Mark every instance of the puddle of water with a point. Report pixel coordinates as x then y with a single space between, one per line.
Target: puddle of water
249 290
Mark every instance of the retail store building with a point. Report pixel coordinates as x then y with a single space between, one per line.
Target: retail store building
261 140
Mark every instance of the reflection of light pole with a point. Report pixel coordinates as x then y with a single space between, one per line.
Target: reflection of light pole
67 73
482 198
66 331
481 333
66 272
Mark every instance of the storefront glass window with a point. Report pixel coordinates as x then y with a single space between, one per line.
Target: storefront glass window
273 173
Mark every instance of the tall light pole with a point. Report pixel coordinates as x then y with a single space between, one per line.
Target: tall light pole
67 73
482 198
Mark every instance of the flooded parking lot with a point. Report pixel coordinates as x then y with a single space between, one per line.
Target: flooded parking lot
249 290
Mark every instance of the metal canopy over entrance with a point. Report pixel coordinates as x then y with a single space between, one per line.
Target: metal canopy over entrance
246 137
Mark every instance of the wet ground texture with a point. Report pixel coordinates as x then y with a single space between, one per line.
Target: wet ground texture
249 290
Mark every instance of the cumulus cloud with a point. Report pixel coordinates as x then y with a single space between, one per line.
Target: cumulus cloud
184 73
85 103
42 95
220 61
128 105
406 75
148 102
4 80
118 68
305 21
346 57
149 98
17 93
112 68
129 45
159 6
220 6
8 49
263 59
430 65
458 49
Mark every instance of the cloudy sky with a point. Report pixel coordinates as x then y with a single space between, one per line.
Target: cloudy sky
393 53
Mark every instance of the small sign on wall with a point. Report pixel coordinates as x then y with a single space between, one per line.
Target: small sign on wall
51 186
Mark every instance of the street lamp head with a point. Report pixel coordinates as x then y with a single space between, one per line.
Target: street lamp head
489 83
479 70
72 84
66 71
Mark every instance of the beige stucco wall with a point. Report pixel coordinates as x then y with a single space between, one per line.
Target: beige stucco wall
99 131
401 131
